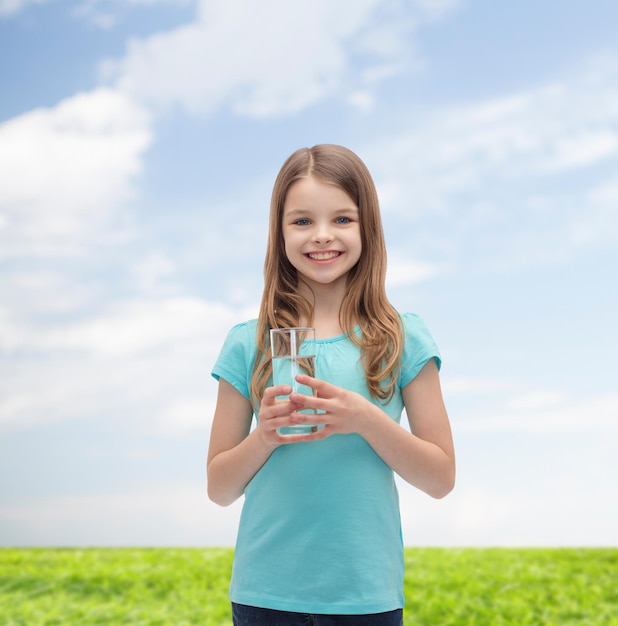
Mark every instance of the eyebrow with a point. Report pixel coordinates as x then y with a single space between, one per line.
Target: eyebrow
341 211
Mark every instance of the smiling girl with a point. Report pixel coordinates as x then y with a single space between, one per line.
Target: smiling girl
319 540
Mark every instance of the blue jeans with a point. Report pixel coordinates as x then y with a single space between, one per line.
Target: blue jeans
254 616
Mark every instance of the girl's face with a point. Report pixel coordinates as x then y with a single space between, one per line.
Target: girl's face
321 232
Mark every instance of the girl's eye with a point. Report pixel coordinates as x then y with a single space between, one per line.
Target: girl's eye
343 220
302 222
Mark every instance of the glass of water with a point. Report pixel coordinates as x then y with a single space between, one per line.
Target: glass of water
293 352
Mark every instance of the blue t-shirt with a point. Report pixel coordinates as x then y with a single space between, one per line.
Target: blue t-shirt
320 529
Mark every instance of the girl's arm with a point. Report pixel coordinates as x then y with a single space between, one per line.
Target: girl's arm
235 454
425 457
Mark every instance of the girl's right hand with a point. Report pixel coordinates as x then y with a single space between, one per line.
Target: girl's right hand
236 453
275 414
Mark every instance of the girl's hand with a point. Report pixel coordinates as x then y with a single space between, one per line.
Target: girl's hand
276 414
339 410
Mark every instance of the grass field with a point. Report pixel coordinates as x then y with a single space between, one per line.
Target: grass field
182 587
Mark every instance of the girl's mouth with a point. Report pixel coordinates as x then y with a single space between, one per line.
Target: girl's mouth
323 256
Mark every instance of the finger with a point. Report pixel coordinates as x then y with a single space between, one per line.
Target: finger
323 388
280 409
303 401
306 419
271 427
309 419
270 393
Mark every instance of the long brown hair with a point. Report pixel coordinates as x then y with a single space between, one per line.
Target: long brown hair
365 303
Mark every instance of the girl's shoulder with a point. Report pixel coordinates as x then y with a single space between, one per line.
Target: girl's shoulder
413 323
247 325
236 357
411 319
243 330
418 340
241 340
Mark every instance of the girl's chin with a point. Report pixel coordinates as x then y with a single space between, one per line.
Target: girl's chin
324 280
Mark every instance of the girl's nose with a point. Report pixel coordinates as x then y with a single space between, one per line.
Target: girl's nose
322 234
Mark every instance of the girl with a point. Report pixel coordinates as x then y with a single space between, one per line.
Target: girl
319 540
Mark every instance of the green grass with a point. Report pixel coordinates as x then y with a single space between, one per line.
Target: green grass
523 587
114 586
459 587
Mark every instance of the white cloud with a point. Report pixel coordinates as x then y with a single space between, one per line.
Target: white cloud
482 515
9 8
496 169
518 136
468 515
67 169
597 222
223 59
478 386
172 514
145 359
584 149
186 415
547 413
153 270
536 400
127 330
401 272
138 327
363 101
435 9
107 13
41 291
148 393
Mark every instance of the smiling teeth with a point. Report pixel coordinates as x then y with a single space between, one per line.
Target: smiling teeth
323 256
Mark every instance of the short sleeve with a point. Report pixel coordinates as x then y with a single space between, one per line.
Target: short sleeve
419 347
237 356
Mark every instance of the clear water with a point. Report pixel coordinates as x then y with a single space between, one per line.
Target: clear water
285 370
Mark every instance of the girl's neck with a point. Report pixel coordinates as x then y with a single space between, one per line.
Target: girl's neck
326 308
326 324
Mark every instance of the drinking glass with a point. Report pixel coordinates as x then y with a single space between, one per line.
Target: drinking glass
293 352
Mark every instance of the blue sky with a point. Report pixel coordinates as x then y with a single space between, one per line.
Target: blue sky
139 141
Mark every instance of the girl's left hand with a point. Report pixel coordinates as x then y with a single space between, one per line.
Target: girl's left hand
339 410
424 456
